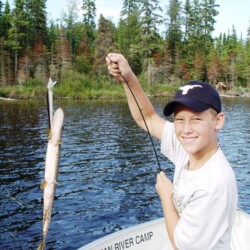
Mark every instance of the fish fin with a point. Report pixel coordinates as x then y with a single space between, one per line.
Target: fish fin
48 130
59 143
43 184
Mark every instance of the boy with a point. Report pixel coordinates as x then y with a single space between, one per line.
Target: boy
200 205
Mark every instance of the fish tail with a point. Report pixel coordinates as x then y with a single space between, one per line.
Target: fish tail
42 244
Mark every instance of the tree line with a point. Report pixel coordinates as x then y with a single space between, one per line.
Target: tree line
170 45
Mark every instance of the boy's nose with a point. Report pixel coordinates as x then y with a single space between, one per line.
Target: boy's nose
187 128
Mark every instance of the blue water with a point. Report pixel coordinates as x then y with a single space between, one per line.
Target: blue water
106 179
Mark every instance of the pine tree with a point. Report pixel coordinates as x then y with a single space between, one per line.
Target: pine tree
20 26
71 26
18 33
1 19
191 32
247 45
5 23
208 15
129 6
85 60
37 20
186 18
199 24
173 34
150 20
1 45
248 31
127 32
128 38
89 15
105 43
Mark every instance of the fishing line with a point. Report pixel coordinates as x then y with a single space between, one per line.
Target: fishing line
131 91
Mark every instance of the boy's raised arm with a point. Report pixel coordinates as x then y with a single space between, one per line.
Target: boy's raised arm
120 69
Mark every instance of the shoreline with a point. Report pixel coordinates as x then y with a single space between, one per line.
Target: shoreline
155 95
246 95
7 99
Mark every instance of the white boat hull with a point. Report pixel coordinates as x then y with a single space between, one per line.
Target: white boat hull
153 236
149 235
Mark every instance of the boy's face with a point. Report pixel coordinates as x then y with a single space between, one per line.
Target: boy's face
197 131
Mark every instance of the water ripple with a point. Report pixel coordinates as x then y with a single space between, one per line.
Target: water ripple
107 170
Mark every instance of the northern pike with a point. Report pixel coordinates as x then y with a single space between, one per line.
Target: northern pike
52 160
51 168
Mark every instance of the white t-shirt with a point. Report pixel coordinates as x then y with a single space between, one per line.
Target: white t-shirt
206 199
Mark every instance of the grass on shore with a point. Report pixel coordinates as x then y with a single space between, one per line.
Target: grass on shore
79 86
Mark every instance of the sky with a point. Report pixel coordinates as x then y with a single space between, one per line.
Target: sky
230 13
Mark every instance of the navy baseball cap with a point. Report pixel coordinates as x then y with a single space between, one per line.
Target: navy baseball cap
197 96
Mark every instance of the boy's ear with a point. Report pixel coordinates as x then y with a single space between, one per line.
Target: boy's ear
220 119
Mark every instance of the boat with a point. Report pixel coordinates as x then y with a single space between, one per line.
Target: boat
148 235
152 235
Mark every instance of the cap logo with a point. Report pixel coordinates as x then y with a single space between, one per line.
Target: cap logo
186 88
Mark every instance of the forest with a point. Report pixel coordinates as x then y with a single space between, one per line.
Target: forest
165 47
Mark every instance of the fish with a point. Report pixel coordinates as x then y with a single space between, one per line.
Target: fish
51 169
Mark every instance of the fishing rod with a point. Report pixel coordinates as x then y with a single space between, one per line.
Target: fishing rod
91 44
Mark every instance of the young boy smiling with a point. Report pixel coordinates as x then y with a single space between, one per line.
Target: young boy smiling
200 205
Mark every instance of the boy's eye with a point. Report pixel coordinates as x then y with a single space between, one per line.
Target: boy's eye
179 119
196 119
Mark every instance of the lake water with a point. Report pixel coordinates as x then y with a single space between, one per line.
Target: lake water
107 173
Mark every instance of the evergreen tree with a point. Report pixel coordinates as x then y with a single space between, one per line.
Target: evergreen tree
199 24
173 34
214 67
128 7
53 32
5 23
208 14
186 18
127 32
192 31
193 20
174 22
105 43
247 57
127 38
19 32
150 20
37 20
85 60
2 81
233 55
248 31
72 29
89 15
1 20
188 50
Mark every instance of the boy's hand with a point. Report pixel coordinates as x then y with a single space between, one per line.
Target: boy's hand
164 187
118 66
